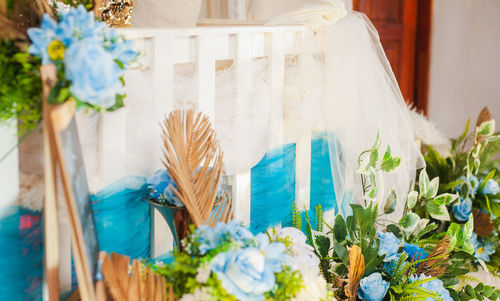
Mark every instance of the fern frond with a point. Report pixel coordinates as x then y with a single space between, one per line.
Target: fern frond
319 218
296 218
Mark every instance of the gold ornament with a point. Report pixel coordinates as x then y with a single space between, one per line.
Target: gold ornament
116 13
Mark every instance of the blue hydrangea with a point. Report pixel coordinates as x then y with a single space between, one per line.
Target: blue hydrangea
435 286
462 210
415 252
94 75
373 287
210 238
121 50
491 187
389 244
482 250
162 188
42 37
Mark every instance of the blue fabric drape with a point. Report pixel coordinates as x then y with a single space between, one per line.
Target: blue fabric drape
21 254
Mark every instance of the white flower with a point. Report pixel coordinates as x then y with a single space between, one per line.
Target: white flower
302 254
160 264
315 287
203 273
199 294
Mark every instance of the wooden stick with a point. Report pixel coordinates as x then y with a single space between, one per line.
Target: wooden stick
50 212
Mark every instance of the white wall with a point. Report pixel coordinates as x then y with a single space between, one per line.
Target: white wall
465 62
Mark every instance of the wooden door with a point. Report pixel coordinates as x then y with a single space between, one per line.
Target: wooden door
397 24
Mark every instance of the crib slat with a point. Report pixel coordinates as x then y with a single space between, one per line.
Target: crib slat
243 64
112 146
276 65
163 69
206 76
303 146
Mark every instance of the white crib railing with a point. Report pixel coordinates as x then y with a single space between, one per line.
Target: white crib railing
161 50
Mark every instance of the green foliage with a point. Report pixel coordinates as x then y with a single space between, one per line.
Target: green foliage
288 284
296 217
20 87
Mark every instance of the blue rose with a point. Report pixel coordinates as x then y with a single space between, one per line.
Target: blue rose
462 210
389 244
94 75
482 250
435 286
390 263
42 37
415 252
162 188
373 288
491 187
246 274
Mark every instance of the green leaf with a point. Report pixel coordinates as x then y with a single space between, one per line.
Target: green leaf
373 158
469 228
453 232
432 189
377 142
423 182
439 212
340 229
341 252
490 176
493 207
411 201
391 202
445 199
394 229
487 128
321 244
409 221
391 164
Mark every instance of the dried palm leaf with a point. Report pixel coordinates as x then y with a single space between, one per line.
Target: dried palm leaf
483 225
484 115
193 158
9 30
355 272
142 284
436 263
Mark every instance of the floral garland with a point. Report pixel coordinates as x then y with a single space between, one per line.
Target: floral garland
470 172
229 263
90 58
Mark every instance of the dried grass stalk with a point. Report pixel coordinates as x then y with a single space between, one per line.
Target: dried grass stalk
193 158
436 263
355 272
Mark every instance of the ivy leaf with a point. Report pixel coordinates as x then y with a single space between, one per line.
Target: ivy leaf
486 128
432 189
453 234
373 158
411 201
409 221
439 212
390 164
444 199
423 182
469 228
391 202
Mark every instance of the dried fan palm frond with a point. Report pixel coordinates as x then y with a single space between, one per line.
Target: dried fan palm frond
483 225
436 263
356 269
193 158
484 115
142 284
222 211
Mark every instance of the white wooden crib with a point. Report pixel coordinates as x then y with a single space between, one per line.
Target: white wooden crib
162 49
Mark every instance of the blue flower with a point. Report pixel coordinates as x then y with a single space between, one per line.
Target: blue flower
462 210
42 37
390 263
94 75
415 252
481 250
162 188
373 288
78 24
389 244
248 273
210 238
121 50
435 286
491 187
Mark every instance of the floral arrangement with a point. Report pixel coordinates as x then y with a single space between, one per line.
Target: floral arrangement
228 262
161 187
470 172
90 58
407 260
